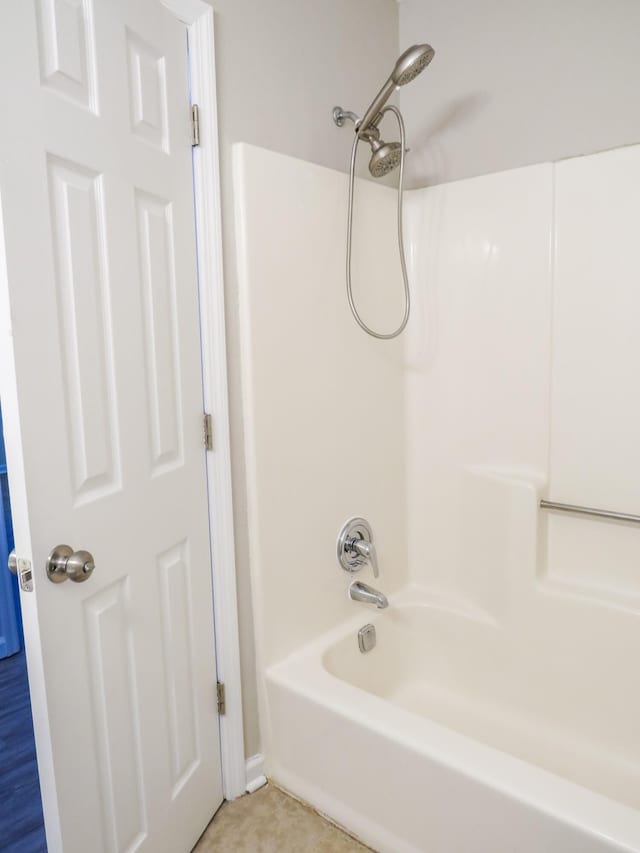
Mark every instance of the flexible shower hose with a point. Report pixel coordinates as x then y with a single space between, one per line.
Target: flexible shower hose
407 298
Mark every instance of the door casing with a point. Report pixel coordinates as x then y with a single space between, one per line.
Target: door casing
199 19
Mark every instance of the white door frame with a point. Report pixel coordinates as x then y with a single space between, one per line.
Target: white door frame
198 17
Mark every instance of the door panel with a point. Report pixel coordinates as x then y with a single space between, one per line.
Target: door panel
78 225
104 416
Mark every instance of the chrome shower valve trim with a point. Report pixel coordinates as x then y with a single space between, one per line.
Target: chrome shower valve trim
355 546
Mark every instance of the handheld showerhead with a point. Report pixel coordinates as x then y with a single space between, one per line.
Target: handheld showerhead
409 65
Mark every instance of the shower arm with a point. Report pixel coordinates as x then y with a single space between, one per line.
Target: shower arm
340 115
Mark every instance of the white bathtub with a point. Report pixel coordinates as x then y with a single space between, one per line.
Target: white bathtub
444 739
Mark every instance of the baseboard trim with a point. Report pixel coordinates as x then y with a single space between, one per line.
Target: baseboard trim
255 773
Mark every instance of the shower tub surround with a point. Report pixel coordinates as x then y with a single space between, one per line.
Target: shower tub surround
499 709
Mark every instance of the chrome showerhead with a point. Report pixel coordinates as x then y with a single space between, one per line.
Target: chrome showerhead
386 156
408 66
411 63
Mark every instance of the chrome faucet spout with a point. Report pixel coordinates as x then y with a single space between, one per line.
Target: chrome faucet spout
359 591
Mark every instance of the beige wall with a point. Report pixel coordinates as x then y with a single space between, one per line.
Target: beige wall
282 65
515 83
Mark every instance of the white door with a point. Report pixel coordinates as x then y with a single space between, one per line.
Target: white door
102 397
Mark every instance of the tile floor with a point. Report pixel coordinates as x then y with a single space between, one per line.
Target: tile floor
269 821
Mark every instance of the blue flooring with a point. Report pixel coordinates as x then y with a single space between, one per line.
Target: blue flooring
21 821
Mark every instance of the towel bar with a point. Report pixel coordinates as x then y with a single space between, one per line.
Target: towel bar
587 510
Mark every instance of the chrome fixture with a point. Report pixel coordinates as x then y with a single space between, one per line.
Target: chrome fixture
359 591
367 638
409 65
63 563
339 116
385 157
355 546
587 510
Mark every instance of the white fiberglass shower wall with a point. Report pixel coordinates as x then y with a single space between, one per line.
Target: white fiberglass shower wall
521 370
500 689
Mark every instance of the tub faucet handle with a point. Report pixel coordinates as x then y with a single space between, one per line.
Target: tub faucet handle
368 551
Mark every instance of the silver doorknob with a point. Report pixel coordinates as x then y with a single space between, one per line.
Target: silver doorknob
63 563
12 563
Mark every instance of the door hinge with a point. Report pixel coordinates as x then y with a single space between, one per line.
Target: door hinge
208 432
222 701
195 124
